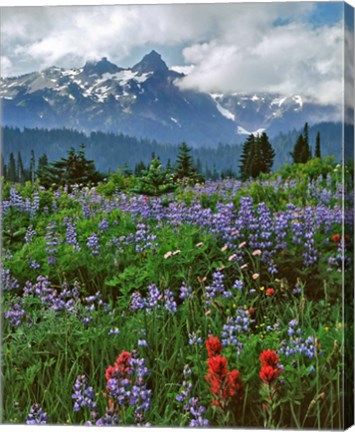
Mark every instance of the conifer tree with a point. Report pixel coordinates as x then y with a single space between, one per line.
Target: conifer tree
184 165
317 152
245 158
155 181
3 167
75 169
20 169
302 152
32 167
168 165
306 134
11 172
139 169
42 164
267 153
257 156
127 172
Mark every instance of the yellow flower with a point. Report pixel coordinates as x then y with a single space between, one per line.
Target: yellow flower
262 288
326 328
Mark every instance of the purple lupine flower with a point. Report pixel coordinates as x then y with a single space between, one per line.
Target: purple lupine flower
194 339
297 345
216 287
30 233
132 391
83 395
234 327
144 239
36 416
142 343
197 411
16 313
170 303
137 301
114 331
34 209
103 225
191 404
110 418
185 292
93 244
34 265
154 296
71 237
8 282
51 243
238 285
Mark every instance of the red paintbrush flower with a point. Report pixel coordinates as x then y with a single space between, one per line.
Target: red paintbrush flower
121 367
270 291
336 238
269 374
218 366
214 346
270 358
234 384
270 369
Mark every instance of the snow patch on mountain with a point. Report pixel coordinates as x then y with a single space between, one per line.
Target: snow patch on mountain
278 101
242 131
226 113
298 100
175 121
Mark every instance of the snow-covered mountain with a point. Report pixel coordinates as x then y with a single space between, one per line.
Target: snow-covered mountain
146 101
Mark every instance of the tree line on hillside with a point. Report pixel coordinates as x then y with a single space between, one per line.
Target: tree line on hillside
111 151
257 158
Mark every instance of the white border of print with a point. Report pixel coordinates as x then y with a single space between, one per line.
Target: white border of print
118 2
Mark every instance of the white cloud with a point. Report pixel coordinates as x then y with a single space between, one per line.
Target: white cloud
183 69
293 58
229 47
6 65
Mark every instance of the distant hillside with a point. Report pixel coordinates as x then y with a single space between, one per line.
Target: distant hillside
111 151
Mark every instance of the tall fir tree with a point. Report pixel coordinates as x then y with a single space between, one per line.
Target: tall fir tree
12 172
20 169
42 165
3 167
302 151
139 169
127 172
74 169
257 156
267 153
245 158
32 167
184 165
317 152
306 133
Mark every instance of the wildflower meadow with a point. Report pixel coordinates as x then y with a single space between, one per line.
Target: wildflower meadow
215 304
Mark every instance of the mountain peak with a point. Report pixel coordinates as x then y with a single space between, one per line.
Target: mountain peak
100 67
151 62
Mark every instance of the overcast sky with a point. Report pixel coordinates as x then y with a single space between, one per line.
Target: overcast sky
270 47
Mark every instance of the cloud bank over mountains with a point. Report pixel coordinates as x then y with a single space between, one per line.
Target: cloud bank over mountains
247 48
